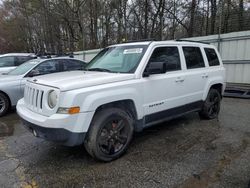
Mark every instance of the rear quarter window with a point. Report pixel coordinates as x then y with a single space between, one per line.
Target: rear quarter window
7 61
21 59
212 57
70 65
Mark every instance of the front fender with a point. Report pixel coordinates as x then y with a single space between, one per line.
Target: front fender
94 100
12 91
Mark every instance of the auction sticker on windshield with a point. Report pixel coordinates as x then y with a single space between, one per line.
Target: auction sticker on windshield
133 51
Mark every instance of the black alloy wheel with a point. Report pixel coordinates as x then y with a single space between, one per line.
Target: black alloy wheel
113 136
109 134
211 107
4 104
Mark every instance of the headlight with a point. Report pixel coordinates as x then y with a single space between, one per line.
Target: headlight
52 99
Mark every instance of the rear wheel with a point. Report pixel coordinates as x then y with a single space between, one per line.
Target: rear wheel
110 134
211 106
4 104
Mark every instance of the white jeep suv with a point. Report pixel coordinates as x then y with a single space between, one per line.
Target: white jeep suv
125 88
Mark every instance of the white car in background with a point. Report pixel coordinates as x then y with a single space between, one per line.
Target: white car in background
10 61
12 84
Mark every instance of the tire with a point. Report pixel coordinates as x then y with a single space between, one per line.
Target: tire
4 104
109 135
211 106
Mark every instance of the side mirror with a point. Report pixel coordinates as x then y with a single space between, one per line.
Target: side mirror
155 68
33 73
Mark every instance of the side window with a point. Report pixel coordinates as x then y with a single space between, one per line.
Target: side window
69 65
21 59
193 57
169 55
212 57
7 61
47 67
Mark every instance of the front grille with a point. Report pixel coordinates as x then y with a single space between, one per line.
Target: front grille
33 98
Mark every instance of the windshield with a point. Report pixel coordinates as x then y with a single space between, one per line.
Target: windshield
122 59
23 68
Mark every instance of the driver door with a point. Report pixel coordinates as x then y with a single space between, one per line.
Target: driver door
163 92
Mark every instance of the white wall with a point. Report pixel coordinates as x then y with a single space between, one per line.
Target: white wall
235 52
238 73
86 55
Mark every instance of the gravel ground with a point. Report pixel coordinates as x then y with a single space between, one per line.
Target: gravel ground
186 152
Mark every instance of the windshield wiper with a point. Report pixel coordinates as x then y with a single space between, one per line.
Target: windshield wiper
99 69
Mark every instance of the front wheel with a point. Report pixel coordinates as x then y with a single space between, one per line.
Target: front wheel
110 134
211 106
4 104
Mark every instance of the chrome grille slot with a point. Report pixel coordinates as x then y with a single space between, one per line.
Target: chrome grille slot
30 94
33 97
37 92
41 99
25 94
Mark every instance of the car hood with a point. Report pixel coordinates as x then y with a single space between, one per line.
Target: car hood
79 79
9 78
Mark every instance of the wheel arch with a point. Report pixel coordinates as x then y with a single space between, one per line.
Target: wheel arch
126 104
4 93
220 86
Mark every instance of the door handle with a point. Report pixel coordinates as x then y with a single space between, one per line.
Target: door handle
179 80
204 76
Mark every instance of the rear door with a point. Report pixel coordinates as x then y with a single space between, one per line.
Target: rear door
196 74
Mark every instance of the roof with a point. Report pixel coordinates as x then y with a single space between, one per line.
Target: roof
133 43
17 54
45 59
65 58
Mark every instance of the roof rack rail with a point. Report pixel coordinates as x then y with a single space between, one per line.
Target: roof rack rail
186 40
141 40
51 55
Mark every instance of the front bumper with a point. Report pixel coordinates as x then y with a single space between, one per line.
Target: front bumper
65 129
61 136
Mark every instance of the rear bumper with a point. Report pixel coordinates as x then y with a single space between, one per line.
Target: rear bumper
59 135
